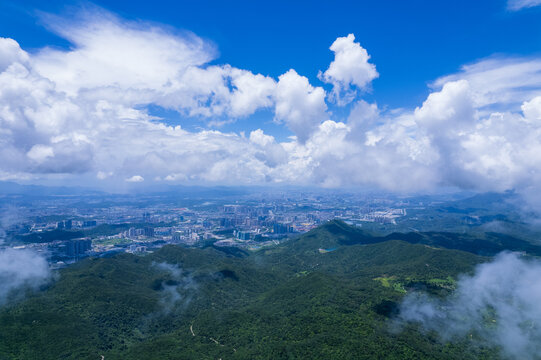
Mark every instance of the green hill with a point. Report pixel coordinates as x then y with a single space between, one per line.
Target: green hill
336 233
330 294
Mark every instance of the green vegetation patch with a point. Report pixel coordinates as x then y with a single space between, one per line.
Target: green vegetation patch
391 282
114 241
448 282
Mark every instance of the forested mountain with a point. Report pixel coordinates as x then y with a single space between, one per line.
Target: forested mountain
332 293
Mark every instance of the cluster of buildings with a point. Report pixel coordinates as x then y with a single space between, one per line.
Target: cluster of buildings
248 222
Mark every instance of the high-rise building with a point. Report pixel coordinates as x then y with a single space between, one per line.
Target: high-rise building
280 228
77 247
148 232
146 217
243 235
177 236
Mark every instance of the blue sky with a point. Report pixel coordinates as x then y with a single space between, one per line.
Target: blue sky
403 96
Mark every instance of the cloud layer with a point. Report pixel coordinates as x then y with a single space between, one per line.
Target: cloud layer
81 113
498 304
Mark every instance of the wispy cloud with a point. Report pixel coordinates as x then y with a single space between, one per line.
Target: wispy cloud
515 5
21 270
177 290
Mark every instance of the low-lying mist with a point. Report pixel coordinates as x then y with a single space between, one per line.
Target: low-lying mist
499 304
21 270
177 290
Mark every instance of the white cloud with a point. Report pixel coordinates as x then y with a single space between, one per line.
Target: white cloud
135 179
40 153
337 154
350 68
175 177
258 137
447 110
251 92
300 105
108 51
532 109
135 63
268 151
515 5
499 83
477 128
11 52
42 130
445 142
101 175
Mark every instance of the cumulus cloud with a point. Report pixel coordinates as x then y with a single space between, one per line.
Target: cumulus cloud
134 63
448 109
450 140
300 105
515 5
21 270
271 153
81 110
11 52
499 304
532 109
481 150
350 68
499 83
340 154
251 92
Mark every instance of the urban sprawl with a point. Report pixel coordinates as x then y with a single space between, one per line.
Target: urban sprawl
68 228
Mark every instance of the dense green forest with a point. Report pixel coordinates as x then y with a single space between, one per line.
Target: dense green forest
332 293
